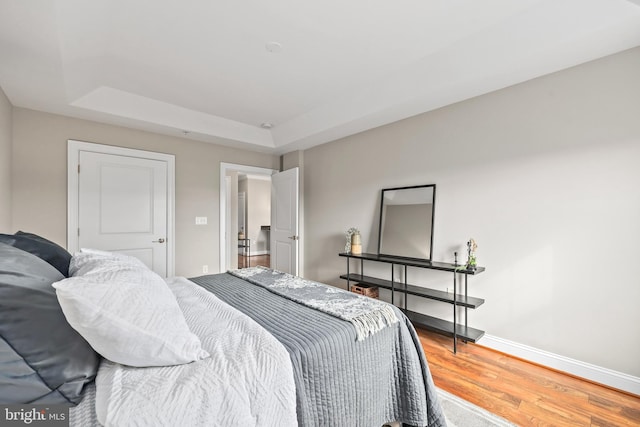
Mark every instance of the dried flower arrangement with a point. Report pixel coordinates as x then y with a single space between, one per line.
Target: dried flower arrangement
472 246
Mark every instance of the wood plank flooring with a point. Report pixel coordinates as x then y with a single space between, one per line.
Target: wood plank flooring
254 261
525 393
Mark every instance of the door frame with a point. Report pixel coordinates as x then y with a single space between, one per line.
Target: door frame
224 168
74 148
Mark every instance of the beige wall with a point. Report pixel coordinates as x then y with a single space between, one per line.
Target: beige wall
293 159
544 175
5 163
40 185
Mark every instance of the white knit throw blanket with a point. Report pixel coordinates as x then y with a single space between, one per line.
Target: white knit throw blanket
367 315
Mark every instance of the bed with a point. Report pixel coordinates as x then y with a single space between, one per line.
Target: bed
247 353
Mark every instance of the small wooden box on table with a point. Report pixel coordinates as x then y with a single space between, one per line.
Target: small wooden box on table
366 290
455 329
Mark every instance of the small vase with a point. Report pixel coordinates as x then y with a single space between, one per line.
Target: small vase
356 244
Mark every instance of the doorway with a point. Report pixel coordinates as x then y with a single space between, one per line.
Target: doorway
245 232
254 220
283 226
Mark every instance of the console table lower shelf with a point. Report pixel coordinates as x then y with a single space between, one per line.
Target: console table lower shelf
444 327
435 324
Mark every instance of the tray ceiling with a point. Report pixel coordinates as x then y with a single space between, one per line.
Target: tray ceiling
217 71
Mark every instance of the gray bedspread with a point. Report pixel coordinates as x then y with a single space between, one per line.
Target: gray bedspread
341 381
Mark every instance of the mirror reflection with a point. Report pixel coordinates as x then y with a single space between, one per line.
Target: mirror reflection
406 222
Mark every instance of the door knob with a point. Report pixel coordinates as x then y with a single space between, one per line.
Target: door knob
160 240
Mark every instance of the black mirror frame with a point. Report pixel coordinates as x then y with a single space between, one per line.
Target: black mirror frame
433 211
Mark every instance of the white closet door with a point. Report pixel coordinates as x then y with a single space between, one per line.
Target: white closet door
123 206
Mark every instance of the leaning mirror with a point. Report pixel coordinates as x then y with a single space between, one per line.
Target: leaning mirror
406 222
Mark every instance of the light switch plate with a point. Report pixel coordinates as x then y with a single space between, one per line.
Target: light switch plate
201 220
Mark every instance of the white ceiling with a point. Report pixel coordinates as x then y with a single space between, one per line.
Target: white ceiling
203 66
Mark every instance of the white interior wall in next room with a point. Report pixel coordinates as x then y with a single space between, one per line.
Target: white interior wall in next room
544 175
258 213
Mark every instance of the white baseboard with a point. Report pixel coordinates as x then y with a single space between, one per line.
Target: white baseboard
588 371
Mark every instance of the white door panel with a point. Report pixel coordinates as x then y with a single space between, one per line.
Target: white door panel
284 221
126 198
283 260
123 206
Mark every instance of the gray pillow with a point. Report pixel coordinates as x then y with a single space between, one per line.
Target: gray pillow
45 249
42 358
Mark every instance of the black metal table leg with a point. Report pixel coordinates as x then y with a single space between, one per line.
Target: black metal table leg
465 307
392 284
455 324
348 280
405 289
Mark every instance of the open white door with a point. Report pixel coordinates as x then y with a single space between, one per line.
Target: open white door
284 221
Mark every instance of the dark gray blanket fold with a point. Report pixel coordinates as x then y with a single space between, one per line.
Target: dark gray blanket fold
341 381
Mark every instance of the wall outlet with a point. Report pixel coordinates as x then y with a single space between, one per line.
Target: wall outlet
205 269
201 220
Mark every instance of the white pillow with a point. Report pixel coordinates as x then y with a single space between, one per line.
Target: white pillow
126 312
94 260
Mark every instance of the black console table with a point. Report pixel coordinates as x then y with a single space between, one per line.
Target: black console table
455 329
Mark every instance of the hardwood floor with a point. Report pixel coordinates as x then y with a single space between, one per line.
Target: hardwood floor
525 393
254 261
